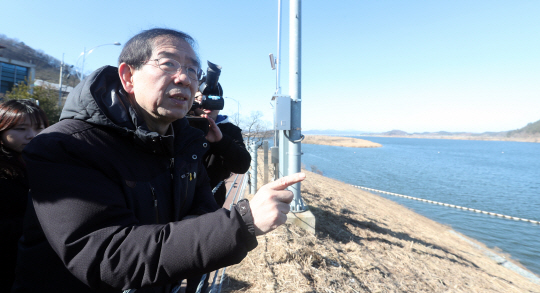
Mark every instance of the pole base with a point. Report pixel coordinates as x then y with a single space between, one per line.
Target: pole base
304 220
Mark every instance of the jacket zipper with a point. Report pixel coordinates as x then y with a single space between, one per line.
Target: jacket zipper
171 168
155 204
185 194
189 177
187 186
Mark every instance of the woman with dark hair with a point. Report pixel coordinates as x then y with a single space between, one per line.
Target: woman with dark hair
20 122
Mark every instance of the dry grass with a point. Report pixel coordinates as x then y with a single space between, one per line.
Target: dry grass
366 243
340 141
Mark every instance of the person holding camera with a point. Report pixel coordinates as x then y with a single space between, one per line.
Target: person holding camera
229 155
120 197
226 156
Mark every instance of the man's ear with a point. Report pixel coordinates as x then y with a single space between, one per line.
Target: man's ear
126 77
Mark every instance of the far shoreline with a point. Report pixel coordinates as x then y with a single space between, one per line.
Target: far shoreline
453 137
457 137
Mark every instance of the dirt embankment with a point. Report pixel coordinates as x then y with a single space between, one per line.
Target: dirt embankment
366 243
340 141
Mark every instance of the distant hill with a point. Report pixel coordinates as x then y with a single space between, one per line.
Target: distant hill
395 132
47 67
526 133
529 129
446 133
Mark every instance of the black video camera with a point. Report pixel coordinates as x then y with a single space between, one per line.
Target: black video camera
212 97
211 90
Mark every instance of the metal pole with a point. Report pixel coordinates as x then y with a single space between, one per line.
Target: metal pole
237 107
283 151
265 148
278 65
295 135
83 58
253 185
60 84
88 52
278 139
276 136
237 110
278 61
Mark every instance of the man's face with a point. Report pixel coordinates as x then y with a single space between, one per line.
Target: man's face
162 97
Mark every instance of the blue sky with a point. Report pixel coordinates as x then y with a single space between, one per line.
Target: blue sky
366 65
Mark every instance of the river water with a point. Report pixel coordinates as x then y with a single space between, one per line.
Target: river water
494 176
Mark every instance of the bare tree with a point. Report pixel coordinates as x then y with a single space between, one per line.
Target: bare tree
235 119
254 129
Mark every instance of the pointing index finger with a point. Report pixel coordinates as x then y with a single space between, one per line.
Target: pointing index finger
286 181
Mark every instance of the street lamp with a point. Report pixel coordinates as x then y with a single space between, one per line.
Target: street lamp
86 52
238 109
62 65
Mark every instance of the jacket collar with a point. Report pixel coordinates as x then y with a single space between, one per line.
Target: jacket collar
222 119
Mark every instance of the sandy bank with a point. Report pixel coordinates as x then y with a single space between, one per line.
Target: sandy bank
339 141
366 243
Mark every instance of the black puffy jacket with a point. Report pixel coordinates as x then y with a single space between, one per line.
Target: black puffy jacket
108 198
227 156
13 200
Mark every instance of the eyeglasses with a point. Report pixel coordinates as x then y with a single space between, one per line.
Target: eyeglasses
171 66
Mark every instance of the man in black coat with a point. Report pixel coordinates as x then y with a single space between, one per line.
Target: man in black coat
120 198
227 156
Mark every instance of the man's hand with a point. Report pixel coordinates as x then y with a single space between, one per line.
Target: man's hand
214 133
270 205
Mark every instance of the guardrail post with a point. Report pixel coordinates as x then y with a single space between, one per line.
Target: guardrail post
253 182
265 148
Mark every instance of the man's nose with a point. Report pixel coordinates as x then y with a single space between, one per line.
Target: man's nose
182 78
